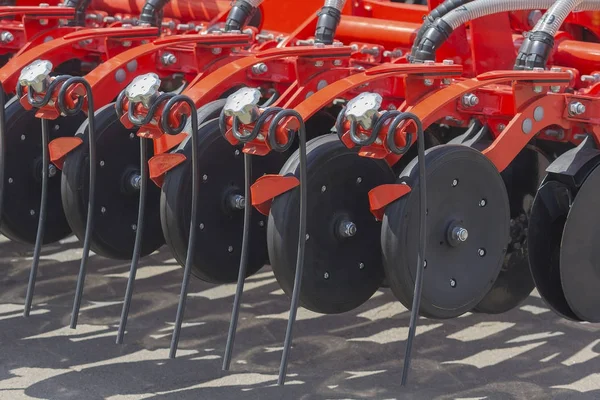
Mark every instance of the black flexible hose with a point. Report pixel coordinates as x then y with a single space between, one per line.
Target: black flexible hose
152 12
89 226
80 7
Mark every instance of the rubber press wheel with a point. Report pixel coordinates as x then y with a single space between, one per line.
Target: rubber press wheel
220 219
117 196
23 175
342 266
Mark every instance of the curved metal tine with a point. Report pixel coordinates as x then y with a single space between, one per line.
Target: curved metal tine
137 248
416 304
91 201
41 221
301 251
189 259
243 263
2 144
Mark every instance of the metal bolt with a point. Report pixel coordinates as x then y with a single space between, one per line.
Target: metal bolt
590 78
22 137
347 229
555 89
322 84
537 89
429 62
261 223
259 68
201 226
538 113
501 127
126 43
557 133
319 64
204 178
52 170
470 100
102 163
361 266
446 81
31 212
326 275
459 233
103 210
453 282
337 63
237 201
236 152
482 202
481 252
373 51
10 180
168 59
43 22
576 108
217 50
230 249
134 227
323 189
448 62
131 135
454 182
424 263
527 126
6 37
56 127
135 181
428 82
307 236
358 180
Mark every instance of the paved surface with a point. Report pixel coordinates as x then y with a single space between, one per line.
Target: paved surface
528 353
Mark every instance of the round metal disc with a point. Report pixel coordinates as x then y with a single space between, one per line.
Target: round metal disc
23 176
548 216
342 270
116 208
580 254
219 237
465 191
514 284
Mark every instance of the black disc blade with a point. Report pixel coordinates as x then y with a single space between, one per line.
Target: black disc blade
23 175
548 216
219 238
580 254
465 192
514 284
342 269
115 216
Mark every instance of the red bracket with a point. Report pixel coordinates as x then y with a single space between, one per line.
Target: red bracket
267 187
381 196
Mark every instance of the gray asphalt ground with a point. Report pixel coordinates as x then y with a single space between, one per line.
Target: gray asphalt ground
529 353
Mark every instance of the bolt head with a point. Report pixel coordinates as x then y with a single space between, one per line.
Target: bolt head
454 182
10 180
133 227
103 210
243 104
363 109
358 180
361 266
453 283
230 249
323 189
460 234
481 252
326 275
576 108
31 212
36 74
428 82
482 202
143 89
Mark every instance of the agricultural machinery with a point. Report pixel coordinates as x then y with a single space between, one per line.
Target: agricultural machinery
441 150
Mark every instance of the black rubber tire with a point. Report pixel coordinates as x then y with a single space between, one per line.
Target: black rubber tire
319 294
112 236
23 194
399 234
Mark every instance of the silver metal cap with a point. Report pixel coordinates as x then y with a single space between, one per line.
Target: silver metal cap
243 104
363 109
36 75
143 89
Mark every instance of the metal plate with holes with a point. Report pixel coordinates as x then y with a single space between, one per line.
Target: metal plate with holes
117 197
580 253
465 192
23 176
342 267
546 223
